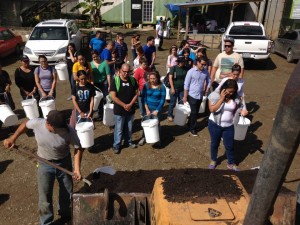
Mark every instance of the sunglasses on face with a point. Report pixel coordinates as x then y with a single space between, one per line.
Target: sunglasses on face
227 46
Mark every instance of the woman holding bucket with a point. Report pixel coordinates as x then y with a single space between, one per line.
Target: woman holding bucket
24 79
224 108
45 78
102 76
83 98
153 97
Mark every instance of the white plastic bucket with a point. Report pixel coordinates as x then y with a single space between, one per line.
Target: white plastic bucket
240 129
203 104
85 133
168 97
108 115
7 116
30 108
151 130
181 112
62 71
195 31
156 41
165 33
97 99
47 106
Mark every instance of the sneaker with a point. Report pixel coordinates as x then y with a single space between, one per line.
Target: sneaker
132 146
69 99
233 167
193 133
142 142
170 118
212 165
116 150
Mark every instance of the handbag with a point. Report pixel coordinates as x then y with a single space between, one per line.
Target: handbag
166 81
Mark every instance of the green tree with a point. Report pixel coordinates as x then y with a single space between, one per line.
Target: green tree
93 8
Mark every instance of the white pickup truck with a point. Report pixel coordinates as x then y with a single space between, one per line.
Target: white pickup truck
249 40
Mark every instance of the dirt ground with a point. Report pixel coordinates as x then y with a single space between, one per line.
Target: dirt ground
138 168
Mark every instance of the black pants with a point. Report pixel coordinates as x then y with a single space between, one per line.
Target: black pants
195 105
161 41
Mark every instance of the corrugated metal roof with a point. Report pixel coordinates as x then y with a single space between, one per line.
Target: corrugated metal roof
212 2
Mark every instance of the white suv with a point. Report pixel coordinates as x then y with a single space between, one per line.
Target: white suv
51 38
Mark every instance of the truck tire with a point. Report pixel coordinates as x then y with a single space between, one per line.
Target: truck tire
290 56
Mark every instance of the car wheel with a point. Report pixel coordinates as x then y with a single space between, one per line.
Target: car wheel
289 56
18 50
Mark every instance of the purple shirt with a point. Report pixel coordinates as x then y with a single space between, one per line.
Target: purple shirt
46 77
194 82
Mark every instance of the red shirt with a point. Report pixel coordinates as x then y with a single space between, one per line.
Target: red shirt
140 76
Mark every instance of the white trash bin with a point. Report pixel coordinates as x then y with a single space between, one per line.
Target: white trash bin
108 115
203 105
151 130
62 71
97 99
181 113
30 107
240 129
85 133
47 105
7 116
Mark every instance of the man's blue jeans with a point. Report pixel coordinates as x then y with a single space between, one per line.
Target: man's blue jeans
177 95
46 177
123 128
216 133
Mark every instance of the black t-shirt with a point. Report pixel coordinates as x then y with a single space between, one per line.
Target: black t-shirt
83 96
25 80
4 80
126 93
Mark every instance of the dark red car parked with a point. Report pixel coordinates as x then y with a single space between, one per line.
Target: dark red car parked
9 42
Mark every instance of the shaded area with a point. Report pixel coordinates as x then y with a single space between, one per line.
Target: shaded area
4 165
266 64
3 198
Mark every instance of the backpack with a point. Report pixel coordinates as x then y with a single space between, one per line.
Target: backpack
118 82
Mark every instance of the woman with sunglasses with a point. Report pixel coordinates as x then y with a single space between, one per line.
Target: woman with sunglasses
45 78
83 98
24 79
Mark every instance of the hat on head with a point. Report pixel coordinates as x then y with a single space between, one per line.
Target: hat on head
24 58
229 39
180 59
57 119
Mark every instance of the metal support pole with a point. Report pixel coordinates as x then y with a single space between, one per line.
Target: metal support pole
231 13
179 24
187 23
279 155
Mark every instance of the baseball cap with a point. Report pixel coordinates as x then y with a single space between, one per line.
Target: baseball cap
180 59
24 58
57 119
229 39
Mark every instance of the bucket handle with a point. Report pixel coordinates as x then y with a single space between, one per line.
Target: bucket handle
84 118
243 118
27 97
98 89
46 98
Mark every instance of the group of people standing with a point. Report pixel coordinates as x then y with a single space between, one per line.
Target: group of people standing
191 76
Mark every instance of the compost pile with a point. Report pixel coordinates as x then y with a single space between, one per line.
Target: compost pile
180 185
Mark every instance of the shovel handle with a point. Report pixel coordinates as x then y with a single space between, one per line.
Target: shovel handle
51 164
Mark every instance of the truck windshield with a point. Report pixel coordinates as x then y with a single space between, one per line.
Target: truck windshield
49 33
246 30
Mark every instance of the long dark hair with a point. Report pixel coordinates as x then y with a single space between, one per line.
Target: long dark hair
157 76
230 83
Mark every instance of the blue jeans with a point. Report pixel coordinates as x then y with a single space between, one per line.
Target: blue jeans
227 133
177 95
123 128
141 106
46 178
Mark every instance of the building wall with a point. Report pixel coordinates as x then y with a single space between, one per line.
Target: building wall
114 14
